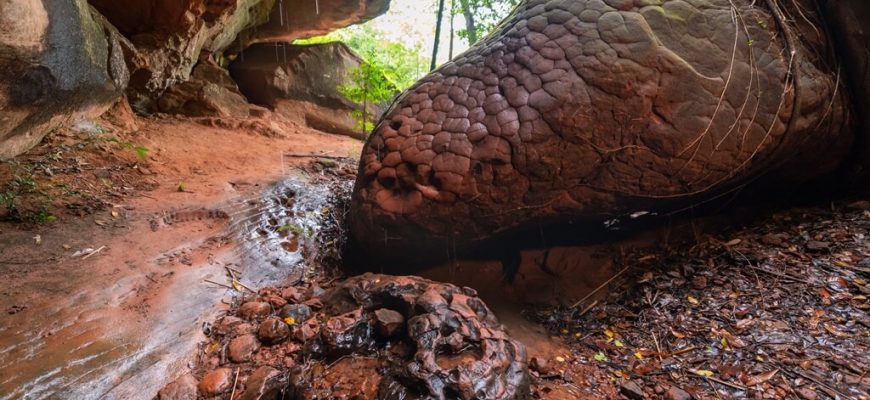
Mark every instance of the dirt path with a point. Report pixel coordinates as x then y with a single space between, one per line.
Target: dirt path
126 314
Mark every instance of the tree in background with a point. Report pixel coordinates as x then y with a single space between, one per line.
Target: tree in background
438 20
387 69
482 16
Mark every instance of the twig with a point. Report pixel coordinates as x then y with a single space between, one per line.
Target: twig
326 156
588 308
818 382
93 252
602 286
781 275
219 284
719 381
235 381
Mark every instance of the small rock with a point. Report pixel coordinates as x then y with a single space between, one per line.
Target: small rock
388 322
299 312
315 303
817 245
304 332
264 383
675 393
183 388
631 390
254 309
315 291
273 331
540 365
807 393
699 282
226 324
771 239
242 348
277 302
243 329
292 295
215 382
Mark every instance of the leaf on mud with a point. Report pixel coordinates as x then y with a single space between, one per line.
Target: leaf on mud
618 344
181 186
638 356
734 242
834 331
743 324
826 296
678 335
290 321
141 152
702 372
237 285
761 378
724 343
609 333
600 356
647 276
693 300
560 359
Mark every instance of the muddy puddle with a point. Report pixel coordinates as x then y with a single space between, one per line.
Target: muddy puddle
131 317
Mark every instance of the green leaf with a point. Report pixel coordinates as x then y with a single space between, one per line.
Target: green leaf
141 152
600 356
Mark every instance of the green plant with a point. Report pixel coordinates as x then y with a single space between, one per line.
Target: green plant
23 188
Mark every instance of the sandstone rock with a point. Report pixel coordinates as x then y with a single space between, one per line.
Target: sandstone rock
59 62
209 92
216 382
266 383
168 37
273 331
242 348
299 312
301 78
291 294
183 388
675 393
254 310
388 322
631 390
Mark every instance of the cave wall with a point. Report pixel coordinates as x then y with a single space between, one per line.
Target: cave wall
61 60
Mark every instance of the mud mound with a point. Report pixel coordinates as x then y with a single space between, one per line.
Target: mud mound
373 336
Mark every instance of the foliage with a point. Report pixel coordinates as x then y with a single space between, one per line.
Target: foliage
486 15
23 185
387 69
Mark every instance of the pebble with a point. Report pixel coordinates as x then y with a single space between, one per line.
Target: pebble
631 390
299 312
675 393
304 332
242 348
273 331
292 295
264 383
226 324
540 365
183 388
699 282
389 322
254 309
817 245
215 382
277 302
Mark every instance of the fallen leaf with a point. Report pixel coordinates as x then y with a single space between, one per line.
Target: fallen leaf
600 356
703 372
618 344
734 242
647 276
290 321
761 378
693 300
609 333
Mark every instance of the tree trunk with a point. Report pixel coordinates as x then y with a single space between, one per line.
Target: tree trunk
470 25
437 35
452 31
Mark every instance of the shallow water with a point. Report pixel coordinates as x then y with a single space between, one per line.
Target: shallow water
114 328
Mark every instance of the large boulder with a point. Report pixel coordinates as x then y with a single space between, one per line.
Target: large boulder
297 19
59 61
301 81
585 112
209 92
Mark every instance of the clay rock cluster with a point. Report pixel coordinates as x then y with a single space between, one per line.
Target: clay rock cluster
375 336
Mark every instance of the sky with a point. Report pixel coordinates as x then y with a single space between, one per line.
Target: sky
412 23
